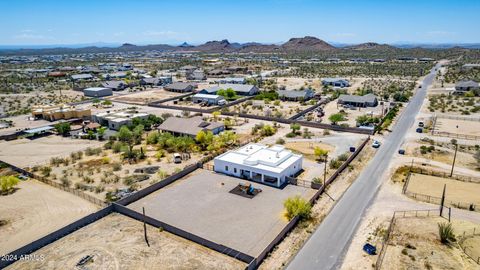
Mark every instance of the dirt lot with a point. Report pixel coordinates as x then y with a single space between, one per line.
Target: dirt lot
306 148
36 210
117 242
281 109
415 244
145 97
295 83
471 246
109 171
201 204
27 152
351 114
457 191
464 127
15 104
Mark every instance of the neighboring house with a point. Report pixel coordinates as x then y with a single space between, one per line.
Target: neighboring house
81 77
237 69
336 82
369 100
180 87
61 112
197 75
218 72
256 162
190 126
470 66
296 95
115 75
56 74
465 86
158 81
97 92
209 99
232 80
188 68
240 89
116 120
114 85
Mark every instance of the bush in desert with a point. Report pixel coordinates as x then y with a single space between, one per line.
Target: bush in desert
297 206
7 183
445 231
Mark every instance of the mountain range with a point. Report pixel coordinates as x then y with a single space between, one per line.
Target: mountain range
307 44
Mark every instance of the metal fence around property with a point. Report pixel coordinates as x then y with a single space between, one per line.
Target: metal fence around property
457 117
458 177
455 135
54 184
391 227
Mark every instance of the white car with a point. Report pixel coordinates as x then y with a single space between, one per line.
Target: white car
376 144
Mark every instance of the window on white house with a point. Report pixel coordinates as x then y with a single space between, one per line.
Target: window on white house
235 170
226 168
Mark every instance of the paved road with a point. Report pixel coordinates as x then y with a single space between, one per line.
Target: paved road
327 245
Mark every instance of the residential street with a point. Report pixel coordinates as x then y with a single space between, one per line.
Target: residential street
328 244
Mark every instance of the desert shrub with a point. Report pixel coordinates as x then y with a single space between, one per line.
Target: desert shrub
335 163
297 206
7 183
446 233
280 141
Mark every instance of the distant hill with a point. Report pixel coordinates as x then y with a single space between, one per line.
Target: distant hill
307 44
370 46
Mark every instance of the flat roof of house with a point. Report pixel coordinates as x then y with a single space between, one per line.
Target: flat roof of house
206 96
39 129
354 98
96 89
274 159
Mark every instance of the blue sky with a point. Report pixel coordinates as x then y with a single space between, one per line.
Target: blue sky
269 21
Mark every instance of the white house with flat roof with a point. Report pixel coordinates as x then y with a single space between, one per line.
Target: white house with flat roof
259 163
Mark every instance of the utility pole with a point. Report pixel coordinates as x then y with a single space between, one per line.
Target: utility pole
454 158
145 228
443 199
325 171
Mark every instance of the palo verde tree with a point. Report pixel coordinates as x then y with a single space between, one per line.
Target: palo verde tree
63 128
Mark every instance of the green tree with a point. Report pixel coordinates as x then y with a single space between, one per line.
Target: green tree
63 128
7 183
295 128
101 132
297 206
320 153
124 134
337 117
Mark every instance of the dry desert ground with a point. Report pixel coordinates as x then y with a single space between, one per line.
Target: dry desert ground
117 242
35 210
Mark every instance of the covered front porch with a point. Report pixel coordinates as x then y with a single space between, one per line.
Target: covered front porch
261 178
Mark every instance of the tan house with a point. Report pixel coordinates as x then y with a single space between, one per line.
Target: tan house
59 112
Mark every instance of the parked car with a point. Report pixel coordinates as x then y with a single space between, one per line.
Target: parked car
421 124
376 144
177 158
419 130
370 249
401 151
